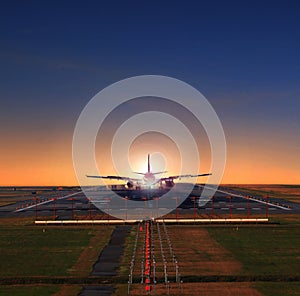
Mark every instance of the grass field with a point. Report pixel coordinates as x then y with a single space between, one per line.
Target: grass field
40 290
289 192
270 253
29 253
28 290
263 251
39 251
9 196
278 289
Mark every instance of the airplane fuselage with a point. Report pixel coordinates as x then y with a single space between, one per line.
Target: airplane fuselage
149 179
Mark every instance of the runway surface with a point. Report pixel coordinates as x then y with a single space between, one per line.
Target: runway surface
108 262
67 204
109 259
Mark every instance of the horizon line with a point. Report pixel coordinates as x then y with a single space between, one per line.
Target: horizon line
222 184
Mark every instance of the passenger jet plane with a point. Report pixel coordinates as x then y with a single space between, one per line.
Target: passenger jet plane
149 178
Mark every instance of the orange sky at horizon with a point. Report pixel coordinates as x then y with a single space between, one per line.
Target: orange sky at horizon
34 163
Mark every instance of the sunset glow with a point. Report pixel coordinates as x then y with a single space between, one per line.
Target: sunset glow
51 164
55 58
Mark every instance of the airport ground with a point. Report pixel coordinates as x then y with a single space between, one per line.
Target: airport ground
224 259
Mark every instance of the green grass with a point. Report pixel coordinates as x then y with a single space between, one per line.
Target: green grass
266 252
278 289
128 251
260 190
263 251
35 251
28 290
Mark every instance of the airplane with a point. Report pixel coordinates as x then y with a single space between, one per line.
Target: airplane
149 178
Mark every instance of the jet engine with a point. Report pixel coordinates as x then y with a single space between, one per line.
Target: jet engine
130 184
169 183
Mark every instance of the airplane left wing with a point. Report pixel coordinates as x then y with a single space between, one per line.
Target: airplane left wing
113 178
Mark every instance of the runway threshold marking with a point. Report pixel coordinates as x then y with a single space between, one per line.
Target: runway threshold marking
46 201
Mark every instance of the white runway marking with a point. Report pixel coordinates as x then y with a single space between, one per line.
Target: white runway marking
47 201
250 198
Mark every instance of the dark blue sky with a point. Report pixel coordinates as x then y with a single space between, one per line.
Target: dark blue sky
242 55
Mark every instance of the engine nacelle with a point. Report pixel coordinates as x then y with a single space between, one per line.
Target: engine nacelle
169 183
130 184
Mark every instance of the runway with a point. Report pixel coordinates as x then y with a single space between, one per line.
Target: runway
66 204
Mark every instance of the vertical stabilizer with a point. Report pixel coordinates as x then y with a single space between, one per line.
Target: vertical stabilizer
148 163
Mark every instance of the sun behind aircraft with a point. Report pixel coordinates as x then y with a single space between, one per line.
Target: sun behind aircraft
148 179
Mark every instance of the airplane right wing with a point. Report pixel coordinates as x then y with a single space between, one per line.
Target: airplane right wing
183 176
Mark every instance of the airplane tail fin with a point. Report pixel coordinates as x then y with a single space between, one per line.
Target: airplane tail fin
149 169
148 163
